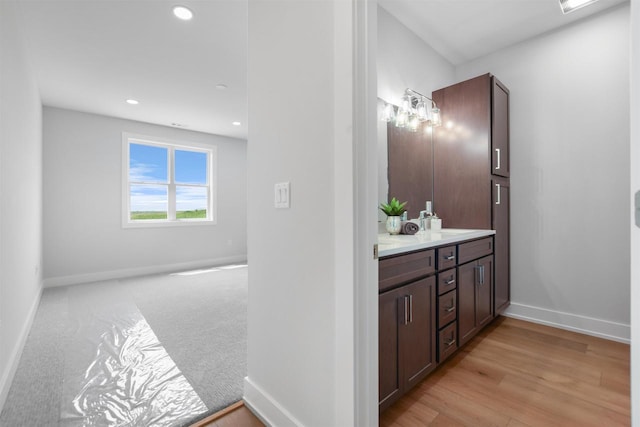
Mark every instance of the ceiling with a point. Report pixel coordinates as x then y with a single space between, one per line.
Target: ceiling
92 55
463 30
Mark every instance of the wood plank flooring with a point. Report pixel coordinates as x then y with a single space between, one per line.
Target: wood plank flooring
236 415
513 374
516 373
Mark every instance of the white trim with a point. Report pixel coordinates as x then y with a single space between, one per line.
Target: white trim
572 322
139 271
365 172
14 358
270 411
634 180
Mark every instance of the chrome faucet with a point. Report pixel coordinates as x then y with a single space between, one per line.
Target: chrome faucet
422 218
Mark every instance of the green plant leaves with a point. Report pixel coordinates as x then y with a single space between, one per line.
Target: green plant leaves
393 208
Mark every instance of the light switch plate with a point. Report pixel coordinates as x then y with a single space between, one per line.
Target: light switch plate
282 195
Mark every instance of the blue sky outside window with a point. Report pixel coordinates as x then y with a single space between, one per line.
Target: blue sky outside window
148 163
191 167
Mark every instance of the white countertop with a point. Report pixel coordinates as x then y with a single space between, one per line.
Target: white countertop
400 243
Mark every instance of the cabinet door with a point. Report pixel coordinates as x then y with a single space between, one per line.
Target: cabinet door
418 332
484 291
502 295
499 128
389 314
466 302
475 297
462 152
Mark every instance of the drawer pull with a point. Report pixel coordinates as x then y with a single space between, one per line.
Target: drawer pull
450 343
450 257
450 282
450 309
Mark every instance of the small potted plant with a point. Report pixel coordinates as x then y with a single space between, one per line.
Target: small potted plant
394 209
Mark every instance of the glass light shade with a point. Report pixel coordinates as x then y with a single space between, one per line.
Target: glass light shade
405 104
421 111
414 122
388 113
436 120
571 5
402 118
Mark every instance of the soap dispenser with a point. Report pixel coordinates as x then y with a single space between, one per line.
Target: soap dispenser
435 223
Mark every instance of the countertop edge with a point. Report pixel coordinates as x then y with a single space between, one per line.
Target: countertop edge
385 250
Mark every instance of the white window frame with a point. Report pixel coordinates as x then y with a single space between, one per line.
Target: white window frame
171 146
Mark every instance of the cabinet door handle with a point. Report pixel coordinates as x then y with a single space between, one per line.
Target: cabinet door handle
480 276
498 160
497 194
406 309
450 309
450 343
451 282
410 308
450 257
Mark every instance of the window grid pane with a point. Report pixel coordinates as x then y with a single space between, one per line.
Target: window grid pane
148 202
148 163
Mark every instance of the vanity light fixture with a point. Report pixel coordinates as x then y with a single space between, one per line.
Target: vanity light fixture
412 111
571 5
183 13
236 123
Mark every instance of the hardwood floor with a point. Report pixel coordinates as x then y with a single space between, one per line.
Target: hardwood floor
236 415
516 373
512 374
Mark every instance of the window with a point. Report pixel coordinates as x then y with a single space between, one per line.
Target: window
167 182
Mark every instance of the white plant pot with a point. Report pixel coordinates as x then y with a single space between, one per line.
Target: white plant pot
394 224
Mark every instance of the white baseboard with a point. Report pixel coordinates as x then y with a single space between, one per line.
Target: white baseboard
585 325
139 271
16 353
266 408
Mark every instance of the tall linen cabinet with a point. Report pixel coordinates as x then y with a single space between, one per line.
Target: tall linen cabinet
471 166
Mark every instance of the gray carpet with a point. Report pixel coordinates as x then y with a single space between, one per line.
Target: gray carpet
199 319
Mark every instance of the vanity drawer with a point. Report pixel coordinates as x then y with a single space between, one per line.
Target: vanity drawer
401 269
446 308
474 250
446 281
447 341
446 257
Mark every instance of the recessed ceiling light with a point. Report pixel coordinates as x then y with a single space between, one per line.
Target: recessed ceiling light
183 13
132 102
221 86
571 5
236 123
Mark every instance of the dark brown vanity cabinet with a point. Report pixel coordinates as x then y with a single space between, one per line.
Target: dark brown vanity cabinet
427 299
472 165
407 337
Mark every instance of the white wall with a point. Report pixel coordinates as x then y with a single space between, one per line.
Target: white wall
83 235
404 61
20 194
569 176
295 351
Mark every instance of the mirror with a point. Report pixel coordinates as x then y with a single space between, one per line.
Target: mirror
406 165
